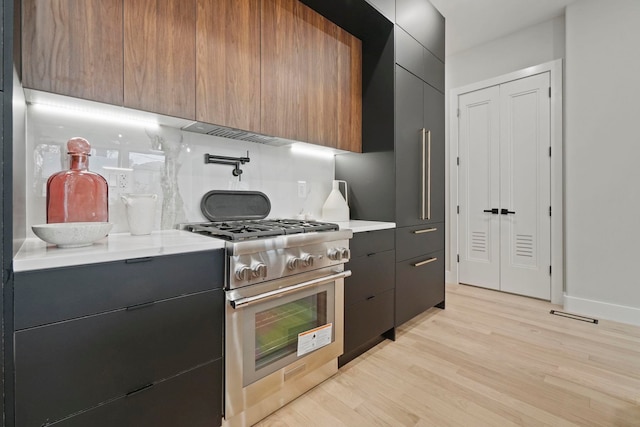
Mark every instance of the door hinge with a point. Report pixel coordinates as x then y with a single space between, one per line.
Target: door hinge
549 210
549 151
458 161
549 270
458 209
458 257
549 92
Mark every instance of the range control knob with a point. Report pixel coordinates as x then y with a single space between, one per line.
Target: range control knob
346 253
243 272
335 254
293 263
308 260
259 270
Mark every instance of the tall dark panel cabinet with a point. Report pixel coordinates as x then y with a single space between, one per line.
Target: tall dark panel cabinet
400 176
6 168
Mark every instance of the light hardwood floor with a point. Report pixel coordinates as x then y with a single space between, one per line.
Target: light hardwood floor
489 359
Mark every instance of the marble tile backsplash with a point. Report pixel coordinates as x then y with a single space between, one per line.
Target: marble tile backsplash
135 158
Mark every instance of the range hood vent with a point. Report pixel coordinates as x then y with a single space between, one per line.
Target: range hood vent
231 133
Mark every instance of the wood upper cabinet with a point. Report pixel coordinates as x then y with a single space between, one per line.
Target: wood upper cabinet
74 47
228 63
349 92
159 56
310 77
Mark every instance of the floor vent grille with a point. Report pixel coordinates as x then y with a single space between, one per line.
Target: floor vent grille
574 316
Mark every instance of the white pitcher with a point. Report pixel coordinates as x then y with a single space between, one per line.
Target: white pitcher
141 212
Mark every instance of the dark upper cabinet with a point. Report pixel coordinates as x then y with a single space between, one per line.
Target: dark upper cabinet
422 20
420 177
386 7
414 57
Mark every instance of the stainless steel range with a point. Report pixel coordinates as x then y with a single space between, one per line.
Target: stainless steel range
284 313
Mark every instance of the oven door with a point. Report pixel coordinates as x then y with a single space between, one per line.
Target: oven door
278 333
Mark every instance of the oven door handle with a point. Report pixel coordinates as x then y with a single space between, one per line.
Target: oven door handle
243 302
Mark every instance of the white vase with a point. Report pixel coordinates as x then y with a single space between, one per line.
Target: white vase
141 212
336 207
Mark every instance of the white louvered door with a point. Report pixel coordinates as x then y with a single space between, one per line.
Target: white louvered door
504 139
479 181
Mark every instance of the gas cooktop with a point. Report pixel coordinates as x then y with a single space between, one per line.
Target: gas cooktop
251 229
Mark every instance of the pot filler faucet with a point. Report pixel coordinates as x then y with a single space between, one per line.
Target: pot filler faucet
231 161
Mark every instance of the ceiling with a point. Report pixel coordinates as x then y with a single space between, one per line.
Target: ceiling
473 22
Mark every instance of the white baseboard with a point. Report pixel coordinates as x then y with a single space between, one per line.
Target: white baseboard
602 310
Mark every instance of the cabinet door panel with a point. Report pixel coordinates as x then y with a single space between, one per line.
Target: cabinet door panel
409 53
371 275
418 287
434 122
423 21
192 399
433 71
45 296
70 366
409 158
284 72
368 319
370 242
349 108
228 63
74 48
159 56
412 242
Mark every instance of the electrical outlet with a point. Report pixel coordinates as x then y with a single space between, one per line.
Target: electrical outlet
123 182
302 189
120 180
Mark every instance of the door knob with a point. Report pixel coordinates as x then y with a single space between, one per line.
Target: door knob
506 211
491 211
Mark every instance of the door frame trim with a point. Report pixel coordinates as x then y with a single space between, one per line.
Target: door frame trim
555 69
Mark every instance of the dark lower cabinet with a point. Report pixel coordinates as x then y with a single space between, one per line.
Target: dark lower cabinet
369 293
125 349
419 285
66 367
187 400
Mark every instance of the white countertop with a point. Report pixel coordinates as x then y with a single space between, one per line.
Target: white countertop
359 226
36 254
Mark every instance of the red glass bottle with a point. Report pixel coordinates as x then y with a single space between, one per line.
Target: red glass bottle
77 195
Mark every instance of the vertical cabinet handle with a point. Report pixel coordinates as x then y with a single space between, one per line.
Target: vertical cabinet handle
425 212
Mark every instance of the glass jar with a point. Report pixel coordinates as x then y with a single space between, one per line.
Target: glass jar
77 194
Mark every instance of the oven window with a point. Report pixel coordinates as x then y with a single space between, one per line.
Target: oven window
277 329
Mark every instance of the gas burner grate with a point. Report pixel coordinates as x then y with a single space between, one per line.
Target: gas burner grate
251 229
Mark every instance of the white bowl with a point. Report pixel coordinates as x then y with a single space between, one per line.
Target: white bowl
72 234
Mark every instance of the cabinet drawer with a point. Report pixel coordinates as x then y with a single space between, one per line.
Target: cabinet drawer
370 242
370 275
70 366
415 241
45 296
418 287
191 399
368 319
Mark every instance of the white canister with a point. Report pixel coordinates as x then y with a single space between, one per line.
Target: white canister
336 208
141 212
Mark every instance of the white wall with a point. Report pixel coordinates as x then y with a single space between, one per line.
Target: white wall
602 159
534 45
